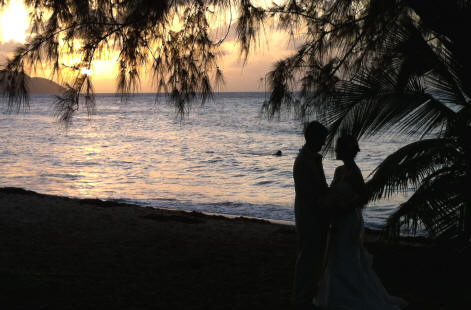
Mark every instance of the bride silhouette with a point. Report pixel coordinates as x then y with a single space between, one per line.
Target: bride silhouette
349 281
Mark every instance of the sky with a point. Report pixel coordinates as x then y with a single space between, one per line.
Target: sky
14 26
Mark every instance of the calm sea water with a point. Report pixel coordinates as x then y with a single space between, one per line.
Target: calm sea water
218 159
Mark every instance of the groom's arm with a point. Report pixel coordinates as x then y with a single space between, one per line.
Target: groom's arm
301 179
326 201
308 182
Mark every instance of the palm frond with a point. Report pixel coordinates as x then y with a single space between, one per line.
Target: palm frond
406 52
371 104
411 53
412 86
411 164
432 117
444 86
436 205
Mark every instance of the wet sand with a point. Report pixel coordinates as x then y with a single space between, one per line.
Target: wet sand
62 253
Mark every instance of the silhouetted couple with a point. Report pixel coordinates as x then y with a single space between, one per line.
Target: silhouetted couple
333 269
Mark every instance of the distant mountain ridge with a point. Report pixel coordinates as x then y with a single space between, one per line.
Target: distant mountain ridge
35 85
40 85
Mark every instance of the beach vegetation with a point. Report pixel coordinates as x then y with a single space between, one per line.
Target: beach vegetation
394 67
410 77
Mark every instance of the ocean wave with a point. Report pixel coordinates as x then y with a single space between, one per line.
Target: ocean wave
262 211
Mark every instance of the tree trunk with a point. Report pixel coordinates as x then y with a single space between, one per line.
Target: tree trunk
466 216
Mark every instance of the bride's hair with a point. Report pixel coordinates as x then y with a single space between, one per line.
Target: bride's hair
347 144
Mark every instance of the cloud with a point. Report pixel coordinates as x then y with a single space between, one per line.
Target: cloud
8 46
6 50
226 32
273 46
248 76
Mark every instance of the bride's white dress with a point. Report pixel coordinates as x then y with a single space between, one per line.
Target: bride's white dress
350 282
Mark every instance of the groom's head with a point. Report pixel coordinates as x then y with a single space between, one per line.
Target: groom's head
315 134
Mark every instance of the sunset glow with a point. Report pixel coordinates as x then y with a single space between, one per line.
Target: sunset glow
14 22
86 71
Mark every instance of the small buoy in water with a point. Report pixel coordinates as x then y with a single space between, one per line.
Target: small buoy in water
278 153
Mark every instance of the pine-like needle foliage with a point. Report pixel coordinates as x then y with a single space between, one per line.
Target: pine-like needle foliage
171 37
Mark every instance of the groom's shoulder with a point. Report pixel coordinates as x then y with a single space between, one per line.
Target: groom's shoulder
300 159
306 160
303 155
306 154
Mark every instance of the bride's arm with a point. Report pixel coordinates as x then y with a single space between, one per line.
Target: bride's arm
361 198
336 179
339 201
332 204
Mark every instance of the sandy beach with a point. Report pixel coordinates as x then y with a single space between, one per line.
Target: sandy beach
62 253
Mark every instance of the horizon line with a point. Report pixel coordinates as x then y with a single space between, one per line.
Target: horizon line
155 93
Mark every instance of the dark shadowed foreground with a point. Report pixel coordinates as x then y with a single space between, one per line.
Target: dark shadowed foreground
60 253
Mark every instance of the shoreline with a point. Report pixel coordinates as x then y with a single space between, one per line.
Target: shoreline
122 201
68 253
116 202
373 234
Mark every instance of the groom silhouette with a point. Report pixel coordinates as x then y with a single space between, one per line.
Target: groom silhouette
311 225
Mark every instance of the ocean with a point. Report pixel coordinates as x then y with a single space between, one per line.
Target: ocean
217 159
